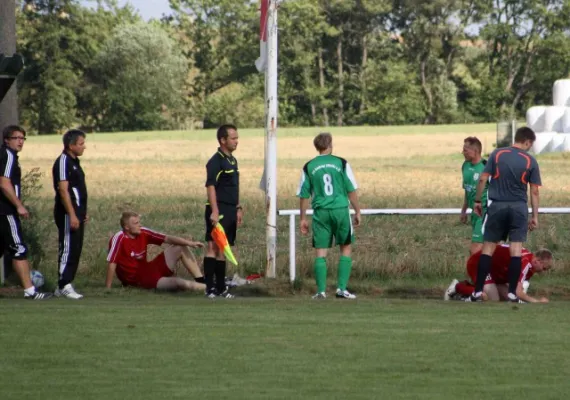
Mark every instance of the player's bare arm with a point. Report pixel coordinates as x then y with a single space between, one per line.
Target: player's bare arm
353 198
63 190
303 206
178 241
111 267
529 299
463 217
10 193
478 207
534 202
212 199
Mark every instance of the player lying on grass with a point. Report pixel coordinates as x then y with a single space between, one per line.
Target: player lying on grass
128 258
497 282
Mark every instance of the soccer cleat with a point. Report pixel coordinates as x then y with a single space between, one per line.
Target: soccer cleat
212 293
68 292
511 298
450 292
38 296
344 294
474 299
320 295
525 286
226 295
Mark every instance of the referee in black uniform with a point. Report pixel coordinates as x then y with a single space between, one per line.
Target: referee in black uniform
70 211
222 187
11 209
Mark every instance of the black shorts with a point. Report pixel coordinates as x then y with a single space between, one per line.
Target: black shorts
11 238
229 222
506 220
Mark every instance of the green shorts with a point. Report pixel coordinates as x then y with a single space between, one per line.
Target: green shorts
329 224
476 229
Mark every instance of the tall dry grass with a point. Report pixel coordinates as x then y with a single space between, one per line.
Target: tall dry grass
164 180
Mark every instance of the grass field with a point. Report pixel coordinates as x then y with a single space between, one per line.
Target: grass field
394 342
161 175
149 346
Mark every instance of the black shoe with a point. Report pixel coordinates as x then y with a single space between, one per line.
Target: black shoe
38 296
226 294
212 293
473 299
515 299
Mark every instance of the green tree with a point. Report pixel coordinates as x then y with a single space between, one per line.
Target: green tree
140 79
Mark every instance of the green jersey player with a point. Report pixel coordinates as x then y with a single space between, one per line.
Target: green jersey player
329 181
471 170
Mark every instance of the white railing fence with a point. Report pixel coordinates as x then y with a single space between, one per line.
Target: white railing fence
386 211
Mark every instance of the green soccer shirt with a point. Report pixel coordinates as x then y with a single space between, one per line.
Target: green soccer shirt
471 174
328 180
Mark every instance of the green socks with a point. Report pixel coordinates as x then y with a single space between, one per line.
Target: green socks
320 267
344 268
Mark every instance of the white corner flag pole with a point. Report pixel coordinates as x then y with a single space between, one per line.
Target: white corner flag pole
271 139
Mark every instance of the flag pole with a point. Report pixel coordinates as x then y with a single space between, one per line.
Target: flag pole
271 138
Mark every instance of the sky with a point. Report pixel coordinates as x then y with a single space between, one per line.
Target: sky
146 8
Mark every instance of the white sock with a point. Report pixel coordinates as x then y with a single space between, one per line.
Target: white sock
30 291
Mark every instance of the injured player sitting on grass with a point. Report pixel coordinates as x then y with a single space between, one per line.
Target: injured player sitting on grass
497 283
128 258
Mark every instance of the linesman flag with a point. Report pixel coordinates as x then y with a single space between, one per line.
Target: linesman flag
261 62
221 240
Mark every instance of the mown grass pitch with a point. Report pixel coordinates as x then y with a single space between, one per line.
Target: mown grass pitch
149 346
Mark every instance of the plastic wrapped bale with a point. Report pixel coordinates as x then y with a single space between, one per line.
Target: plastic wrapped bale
561 92
535 118
555 144
565 146
553 119
542 141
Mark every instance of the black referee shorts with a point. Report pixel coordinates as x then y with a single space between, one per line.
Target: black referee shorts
229 222
11 238
506 220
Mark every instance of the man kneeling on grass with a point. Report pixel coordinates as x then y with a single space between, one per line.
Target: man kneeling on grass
128 258
497 282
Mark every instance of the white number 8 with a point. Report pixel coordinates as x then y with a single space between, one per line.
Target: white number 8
328 184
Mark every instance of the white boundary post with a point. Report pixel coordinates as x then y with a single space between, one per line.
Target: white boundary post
386 211
292 249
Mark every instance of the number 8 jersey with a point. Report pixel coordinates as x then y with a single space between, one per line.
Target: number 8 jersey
328 180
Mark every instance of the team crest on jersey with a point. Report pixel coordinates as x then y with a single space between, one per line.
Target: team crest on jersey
476 176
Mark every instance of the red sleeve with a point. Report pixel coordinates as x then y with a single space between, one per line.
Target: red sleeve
153 237
115 247
526 267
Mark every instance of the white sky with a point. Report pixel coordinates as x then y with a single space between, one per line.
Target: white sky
146 8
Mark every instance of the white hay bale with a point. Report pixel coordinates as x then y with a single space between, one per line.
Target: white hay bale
535 118
553 119
542 141
561 92
565 122
565 146
556 143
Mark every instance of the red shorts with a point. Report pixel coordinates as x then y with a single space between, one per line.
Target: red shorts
472 266
150 273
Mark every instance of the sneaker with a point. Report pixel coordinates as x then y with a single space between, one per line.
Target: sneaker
344 294
68 292
320 295
211 294
525 286
450 292
38 296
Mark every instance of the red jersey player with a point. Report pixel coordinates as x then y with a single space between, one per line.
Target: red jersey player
128 258
497 282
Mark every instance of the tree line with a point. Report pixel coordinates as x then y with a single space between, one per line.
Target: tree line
360 62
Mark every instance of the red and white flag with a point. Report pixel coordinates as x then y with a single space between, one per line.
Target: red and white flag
261 62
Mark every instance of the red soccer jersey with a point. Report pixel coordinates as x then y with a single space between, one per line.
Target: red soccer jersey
500 265
130 253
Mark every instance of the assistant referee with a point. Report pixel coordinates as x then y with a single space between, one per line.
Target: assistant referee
222 187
